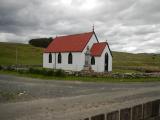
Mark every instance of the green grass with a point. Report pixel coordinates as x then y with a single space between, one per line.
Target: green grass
142 59
122 62
83 79
128 62
7 96
27 54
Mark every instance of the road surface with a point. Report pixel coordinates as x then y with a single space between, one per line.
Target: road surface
69 100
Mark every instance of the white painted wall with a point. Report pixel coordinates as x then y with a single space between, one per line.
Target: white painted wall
76 65
98 67
78 60
90 43
46 63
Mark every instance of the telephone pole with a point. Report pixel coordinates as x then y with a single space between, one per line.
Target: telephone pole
16 56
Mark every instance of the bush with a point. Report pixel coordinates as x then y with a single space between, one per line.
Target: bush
7 96
22 71
1 67
41 71
10 68
35 71
40 42
60 73
47 72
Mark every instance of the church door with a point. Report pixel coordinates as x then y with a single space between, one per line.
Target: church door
106 62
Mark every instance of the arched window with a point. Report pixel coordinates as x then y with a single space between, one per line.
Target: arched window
70 58
59 58
92 60
50 58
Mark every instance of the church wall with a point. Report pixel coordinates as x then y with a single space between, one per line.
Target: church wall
76 65
46 63
99 66
77 62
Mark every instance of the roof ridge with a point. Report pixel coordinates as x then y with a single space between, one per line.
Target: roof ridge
100 42
73 34
103 42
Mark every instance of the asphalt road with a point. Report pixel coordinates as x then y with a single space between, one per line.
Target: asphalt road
57 100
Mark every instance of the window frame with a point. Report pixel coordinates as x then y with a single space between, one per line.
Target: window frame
93 62
59 60
50 58
70 58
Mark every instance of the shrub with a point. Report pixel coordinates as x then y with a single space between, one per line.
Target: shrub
47 72
40 42
10 68
35 71
7 96
1 67
60 73
41 71
22 71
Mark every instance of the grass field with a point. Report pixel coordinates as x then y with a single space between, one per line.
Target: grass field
27 54
128 62
122 62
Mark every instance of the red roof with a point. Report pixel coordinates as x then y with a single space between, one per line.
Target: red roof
98 48
70 43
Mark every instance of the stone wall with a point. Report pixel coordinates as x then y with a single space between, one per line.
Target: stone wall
113 115
115 75
146 111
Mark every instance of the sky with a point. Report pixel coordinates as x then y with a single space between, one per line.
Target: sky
127 25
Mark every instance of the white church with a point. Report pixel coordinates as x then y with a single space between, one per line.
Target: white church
77 52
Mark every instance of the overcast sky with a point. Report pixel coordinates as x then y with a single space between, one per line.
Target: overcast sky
127 25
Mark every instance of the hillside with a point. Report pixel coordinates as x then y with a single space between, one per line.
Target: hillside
30 55
128 61
27 54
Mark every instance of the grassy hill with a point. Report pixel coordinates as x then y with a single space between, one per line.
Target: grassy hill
122 62
27 54
128 61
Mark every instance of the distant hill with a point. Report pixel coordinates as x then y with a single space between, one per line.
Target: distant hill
122 62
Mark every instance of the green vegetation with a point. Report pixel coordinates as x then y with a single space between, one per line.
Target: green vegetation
44 72
79 78
7 96
40 42
143 62
26 55
122 62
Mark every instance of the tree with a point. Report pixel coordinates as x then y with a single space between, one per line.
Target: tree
40 42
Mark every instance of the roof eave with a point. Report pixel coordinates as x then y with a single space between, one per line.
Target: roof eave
60 51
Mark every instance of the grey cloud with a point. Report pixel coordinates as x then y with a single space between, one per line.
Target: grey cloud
128 25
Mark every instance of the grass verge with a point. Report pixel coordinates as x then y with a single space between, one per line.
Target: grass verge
7 96
83 79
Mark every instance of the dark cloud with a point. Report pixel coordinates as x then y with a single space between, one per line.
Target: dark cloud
128 25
